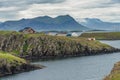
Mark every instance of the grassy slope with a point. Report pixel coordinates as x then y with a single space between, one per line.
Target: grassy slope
115 73
91 44
10 64
10 60
105 36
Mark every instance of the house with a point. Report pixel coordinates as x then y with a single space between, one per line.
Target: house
74 34
28 30
91 39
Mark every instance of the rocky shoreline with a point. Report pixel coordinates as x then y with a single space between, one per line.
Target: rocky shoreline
10 65
86 53
37 46
5 71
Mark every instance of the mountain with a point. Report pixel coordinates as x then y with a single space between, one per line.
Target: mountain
95 23
45 23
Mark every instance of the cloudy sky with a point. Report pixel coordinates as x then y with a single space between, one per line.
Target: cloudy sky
107 10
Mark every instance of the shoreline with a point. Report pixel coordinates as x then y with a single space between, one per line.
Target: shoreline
25 68
42 58
10 65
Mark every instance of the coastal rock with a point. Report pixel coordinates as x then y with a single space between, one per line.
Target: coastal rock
37 46
9 70
10 64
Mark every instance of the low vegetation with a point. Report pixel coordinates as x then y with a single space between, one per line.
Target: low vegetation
10 64
10 60
115 73
103 35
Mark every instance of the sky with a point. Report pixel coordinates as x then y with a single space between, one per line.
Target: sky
106 10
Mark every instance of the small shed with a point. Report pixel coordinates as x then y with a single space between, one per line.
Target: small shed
91 39
28 30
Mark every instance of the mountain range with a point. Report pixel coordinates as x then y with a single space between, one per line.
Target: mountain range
95 23
44 23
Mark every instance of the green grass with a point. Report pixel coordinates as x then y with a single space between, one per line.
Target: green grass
10 60
34 35
25 47
115 73
103 36
115 76
8 32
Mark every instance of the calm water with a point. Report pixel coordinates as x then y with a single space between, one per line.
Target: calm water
82 68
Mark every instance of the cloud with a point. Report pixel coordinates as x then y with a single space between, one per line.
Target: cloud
44 1
6 3
9 9
107 10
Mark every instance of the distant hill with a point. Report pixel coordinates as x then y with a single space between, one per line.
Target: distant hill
45 23
95 23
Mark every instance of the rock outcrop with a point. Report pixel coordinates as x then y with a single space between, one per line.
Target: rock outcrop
10 64
37 46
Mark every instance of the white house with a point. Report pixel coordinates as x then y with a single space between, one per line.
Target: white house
74 34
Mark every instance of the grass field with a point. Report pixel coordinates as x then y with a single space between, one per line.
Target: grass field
103 36
10 60
115 73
